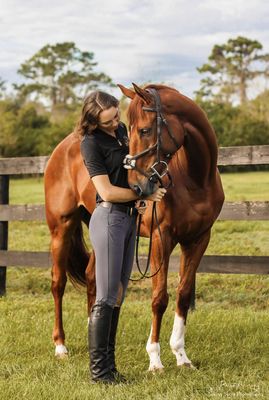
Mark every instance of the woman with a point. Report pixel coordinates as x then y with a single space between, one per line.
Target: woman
104 146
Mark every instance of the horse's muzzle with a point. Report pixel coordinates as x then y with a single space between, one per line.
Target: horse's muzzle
145 190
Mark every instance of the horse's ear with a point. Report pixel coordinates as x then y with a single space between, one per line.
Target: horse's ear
146 96
127 92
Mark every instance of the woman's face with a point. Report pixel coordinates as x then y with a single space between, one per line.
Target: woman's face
109 119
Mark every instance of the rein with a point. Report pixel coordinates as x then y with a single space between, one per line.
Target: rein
130 163
144 274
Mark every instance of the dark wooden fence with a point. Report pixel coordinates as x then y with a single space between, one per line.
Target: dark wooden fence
243 210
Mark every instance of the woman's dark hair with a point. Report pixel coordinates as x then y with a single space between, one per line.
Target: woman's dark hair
93 104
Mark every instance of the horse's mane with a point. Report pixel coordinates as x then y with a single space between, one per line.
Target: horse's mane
135 108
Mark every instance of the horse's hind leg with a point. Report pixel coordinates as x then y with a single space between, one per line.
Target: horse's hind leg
59 253
189 262
69 256
90 280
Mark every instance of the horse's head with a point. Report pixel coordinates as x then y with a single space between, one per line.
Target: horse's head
156 133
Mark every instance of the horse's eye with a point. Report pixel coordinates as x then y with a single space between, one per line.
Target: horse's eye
144 131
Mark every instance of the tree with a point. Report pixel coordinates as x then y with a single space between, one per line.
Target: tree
56 132
8 110
21 129
2 88
60 74
230 68
237 125
258 107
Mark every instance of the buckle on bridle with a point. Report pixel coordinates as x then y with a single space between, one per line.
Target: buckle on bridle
160 175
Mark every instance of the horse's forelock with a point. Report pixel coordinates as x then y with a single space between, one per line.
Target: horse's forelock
135 110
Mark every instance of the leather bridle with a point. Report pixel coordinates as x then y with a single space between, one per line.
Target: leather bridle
130 161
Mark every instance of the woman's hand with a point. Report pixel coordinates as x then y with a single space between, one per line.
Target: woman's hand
157 195
141 206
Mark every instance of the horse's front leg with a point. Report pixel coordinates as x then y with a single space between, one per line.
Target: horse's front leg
161 251
189 262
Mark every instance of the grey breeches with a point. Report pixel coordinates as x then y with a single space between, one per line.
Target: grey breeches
112 234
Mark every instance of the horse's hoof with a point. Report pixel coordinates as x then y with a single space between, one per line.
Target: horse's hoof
61 351
63 356
156 370
187 365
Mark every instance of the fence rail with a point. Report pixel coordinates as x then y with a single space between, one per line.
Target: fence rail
244 210
235 210
241 155
258 265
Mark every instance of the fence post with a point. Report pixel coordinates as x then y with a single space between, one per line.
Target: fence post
4 199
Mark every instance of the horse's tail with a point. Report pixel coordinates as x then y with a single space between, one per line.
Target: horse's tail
78 257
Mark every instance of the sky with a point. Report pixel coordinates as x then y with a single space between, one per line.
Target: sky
158 41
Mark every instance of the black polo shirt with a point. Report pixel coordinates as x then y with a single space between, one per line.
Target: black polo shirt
103 154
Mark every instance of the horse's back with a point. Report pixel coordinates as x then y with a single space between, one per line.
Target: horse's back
66 180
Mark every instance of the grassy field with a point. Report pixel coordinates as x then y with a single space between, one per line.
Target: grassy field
227 340
227 335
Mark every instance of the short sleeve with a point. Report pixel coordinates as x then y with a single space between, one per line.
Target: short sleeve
93 157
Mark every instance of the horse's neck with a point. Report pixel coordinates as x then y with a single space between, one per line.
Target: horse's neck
200 146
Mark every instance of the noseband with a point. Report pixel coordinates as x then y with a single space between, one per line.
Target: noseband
130 161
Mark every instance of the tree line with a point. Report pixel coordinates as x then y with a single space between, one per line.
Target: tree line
233 70
42 110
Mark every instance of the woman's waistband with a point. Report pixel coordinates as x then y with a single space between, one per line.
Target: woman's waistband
118 207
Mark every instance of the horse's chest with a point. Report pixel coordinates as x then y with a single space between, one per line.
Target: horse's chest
192 218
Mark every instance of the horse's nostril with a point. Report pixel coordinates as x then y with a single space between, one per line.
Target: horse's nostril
153 179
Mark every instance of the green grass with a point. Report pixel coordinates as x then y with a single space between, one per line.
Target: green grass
242 237
27 191
246 186
227 340
237 186
227 335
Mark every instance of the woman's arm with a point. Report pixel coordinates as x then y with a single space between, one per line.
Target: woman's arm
115 194
112 193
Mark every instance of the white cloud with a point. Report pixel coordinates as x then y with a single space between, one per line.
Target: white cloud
161 40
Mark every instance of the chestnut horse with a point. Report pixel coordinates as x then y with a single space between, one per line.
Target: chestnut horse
166 128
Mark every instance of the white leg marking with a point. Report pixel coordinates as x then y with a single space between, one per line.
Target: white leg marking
177 342
153 350
60 350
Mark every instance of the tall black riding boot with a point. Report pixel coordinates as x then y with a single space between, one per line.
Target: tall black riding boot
111 346
99 332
